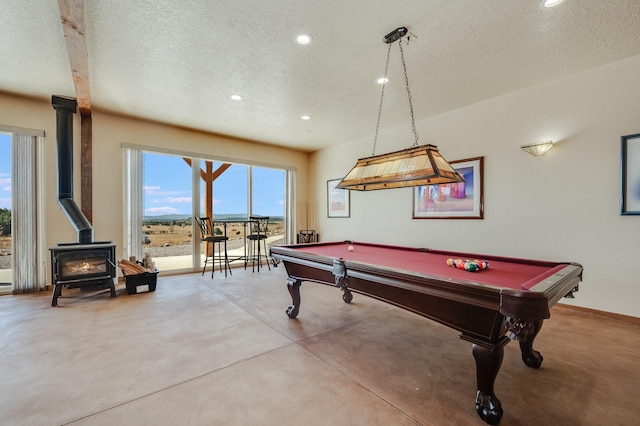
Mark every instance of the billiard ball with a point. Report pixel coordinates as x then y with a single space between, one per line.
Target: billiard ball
350 248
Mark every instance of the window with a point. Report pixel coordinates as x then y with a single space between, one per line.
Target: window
5 214
167 204
268 199
25 163
164 193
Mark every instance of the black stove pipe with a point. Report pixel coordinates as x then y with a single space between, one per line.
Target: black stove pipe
65 108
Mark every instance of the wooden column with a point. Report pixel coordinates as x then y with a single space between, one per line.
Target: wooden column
208 190
209 176
86 166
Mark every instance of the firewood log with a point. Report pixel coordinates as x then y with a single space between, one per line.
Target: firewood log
130 268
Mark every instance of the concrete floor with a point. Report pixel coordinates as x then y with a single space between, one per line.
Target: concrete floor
221 351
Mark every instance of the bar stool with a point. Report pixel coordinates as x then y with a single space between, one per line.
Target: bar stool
207 235
258 232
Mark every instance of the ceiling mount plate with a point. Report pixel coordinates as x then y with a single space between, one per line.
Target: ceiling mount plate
396 34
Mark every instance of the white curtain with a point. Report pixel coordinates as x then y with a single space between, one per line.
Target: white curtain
27 228
290 202
133 202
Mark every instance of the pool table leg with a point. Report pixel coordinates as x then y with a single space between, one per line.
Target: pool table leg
343 283
531 357
293 285
488 362
342 279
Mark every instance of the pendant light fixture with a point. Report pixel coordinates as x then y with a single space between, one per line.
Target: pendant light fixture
414 166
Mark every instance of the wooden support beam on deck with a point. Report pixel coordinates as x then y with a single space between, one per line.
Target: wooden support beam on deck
209 176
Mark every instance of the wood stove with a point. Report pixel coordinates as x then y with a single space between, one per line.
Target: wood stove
83 265
86 264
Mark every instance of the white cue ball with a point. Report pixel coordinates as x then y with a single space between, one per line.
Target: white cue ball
350 248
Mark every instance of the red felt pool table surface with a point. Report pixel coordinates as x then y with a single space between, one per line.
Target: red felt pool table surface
517 274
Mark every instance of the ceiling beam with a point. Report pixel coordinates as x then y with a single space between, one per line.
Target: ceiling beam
72 16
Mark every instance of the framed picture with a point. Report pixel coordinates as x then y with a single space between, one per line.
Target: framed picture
337 200
630 176
459 200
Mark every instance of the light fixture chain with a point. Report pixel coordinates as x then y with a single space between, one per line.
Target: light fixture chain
386 68
406 79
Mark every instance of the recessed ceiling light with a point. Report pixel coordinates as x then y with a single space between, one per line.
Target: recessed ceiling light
546 4
303 39
306 117
236 97
383 80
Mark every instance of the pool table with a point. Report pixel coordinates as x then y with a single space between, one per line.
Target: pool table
508 300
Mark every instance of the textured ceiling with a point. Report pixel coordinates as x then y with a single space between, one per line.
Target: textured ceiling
178 62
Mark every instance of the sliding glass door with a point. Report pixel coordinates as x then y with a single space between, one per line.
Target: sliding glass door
22 247
268 199
166 232
6 243
227 204
164 191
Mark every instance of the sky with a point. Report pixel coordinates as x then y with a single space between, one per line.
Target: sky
167 186
5 171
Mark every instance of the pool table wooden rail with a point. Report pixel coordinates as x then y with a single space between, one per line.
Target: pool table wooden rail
476 310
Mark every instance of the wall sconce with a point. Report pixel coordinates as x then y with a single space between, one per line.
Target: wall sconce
537 149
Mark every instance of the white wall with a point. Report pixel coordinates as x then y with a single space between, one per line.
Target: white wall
109 132
564 206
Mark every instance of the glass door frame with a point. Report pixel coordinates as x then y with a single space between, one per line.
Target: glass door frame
133 249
